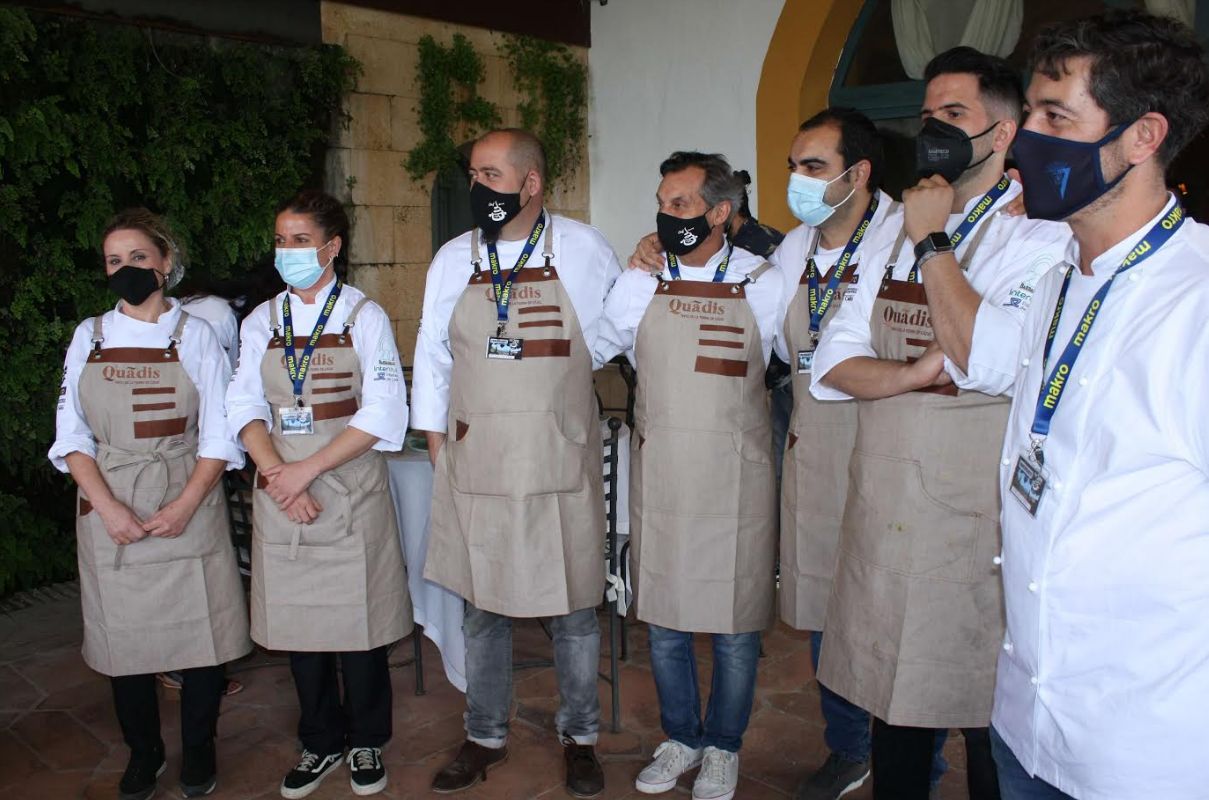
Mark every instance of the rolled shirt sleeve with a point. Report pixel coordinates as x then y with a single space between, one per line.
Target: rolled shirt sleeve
246 401
383 411
623 310
72 434
207 365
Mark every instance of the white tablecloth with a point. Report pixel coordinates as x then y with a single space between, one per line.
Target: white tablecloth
439 610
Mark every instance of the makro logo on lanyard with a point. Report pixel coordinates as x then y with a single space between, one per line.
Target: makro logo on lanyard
1051 390
294 367
818 309
673 266
963 230
503 288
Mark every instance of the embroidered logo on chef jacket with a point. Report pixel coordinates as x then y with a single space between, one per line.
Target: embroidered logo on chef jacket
497 211
1022 296
687 237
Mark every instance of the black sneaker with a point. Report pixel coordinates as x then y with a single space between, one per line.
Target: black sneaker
308 773
198 773
836 778
365 771
138 781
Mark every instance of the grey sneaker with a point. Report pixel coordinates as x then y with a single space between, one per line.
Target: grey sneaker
672 759
836 778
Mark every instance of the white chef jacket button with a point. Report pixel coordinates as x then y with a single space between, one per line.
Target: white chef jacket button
1024 362
1034 680
997 560
1057 485
1083 381
1032 586
1007 462
1133 276
1007 647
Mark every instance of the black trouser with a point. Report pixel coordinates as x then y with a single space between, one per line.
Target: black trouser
902 762
138 708
362 719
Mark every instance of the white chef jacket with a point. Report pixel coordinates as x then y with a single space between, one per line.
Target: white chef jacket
201 356
790 260
217 312
383 411
587 268
1014 253
629 299
1103 682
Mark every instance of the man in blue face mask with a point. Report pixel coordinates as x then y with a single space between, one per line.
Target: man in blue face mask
1102 687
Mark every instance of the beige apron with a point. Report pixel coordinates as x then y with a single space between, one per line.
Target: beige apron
916 614
702 485
518 497
158 604
814 477
338 584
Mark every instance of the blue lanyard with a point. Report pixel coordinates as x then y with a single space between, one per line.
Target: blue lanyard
967 225
1050 393
673 266
297 368
819 305
503 286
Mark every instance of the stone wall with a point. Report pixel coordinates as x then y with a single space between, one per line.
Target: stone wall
391 214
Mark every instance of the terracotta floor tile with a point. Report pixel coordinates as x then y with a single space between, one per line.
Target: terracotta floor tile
60 741
55 670
47 785
17 761
16 692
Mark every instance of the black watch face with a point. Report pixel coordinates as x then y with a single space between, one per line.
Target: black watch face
940 241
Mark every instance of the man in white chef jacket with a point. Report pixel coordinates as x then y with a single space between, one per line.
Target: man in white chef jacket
1103 681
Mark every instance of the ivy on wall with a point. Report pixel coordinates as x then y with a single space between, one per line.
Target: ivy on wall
555 85
448 78
96 117
553 82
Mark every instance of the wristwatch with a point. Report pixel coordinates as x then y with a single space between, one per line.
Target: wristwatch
932 245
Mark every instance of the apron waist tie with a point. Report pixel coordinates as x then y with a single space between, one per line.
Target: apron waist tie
116 459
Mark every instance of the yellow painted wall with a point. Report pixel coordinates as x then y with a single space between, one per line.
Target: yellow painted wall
794 84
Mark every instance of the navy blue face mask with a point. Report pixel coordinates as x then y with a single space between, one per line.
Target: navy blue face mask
1060 176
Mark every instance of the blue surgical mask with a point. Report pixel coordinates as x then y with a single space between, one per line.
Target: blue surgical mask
806 195
1061 176
299 266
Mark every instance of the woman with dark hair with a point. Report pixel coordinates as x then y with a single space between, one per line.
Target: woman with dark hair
141 427
315 410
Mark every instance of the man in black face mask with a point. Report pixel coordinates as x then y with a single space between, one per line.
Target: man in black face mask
915 618
503 388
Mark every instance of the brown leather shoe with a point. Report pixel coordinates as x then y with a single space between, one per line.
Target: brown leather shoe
585 778
468 768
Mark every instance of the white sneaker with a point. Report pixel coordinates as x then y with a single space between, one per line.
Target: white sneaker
718 777
672 760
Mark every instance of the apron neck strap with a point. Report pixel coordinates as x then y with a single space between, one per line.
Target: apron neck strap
475 258
274 319
547 242
972 247
351 320
175 338
98 332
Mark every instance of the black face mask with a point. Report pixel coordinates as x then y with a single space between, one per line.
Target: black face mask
493 210
945 150
134 284
679 236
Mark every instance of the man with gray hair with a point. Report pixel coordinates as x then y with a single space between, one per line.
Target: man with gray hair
702 491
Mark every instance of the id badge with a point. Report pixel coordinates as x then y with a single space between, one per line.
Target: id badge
805 361
297 421
503 348
1029 481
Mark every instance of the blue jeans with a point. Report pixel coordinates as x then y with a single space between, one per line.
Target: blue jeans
846 727
1014 782
731 692
489 675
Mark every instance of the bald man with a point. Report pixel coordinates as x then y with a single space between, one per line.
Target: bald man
503 388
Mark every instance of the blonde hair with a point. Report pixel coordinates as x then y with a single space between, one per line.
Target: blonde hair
157 230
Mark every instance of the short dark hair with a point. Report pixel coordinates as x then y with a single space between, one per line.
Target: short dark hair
1140 63
997 80
328 214
720 182
744 179
859 139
